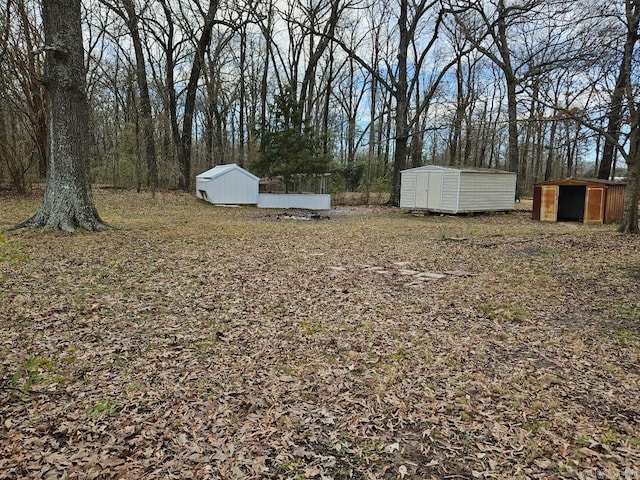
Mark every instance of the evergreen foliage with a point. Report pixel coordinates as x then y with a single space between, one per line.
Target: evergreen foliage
287 148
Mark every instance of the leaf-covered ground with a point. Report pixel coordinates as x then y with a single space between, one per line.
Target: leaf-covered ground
195 341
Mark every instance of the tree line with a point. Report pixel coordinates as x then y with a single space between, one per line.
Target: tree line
364 88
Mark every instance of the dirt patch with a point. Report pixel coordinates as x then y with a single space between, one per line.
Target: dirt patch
297 216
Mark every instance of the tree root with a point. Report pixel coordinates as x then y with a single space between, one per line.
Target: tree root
63 221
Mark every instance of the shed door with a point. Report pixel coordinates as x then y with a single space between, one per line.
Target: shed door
594 205
422 180
549 203
433 190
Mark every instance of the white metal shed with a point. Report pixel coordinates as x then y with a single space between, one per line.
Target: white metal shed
227 184
457 190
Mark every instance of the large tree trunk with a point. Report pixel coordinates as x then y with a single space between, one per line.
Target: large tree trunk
184 145
171 100
68 201
614 118
615 113
371 151
630 218
548 171
513 163
629 222
264 82
402 105
456 128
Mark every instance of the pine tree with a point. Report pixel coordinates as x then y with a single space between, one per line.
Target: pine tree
286 147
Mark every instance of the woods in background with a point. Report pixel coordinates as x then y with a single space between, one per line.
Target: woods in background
545 88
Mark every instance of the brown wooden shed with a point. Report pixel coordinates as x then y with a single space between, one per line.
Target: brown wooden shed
589 201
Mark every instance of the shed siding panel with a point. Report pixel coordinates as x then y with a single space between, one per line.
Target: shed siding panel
537 199
449 193
233 187
459 190
408 189
615 203
219 189
486 192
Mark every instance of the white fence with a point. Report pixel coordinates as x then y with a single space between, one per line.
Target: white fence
309 201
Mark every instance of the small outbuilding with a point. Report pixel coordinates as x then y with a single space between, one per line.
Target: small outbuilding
457 190
227 184
589 201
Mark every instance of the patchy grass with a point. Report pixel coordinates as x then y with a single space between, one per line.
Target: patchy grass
199 342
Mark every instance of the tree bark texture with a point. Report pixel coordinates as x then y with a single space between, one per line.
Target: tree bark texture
629 222
242 100
511 80
614 119
402 105
630 218
68 200
615 114
184 146
171 99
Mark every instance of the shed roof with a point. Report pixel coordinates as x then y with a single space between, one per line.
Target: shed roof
460 169
580 181
220 170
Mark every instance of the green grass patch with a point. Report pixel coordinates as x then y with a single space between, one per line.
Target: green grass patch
103 408
503 312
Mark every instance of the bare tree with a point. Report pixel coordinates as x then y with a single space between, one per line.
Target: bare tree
126 10
186 136
24 125
401 76
614 117
626 141
405 77
4 23
493 27
350 93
